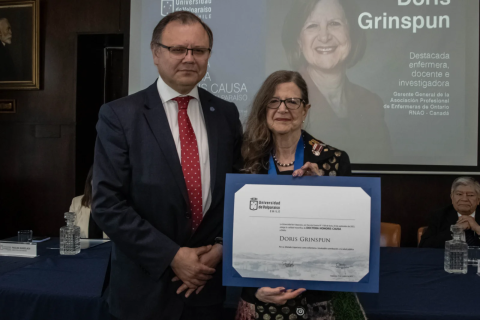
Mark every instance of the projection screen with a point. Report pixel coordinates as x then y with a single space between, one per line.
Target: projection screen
392 82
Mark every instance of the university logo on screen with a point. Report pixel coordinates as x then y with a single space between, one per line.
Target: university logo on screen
168 6
202 8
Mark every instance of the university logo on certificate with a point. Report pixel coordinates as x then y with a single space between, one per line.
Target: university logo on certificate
311 232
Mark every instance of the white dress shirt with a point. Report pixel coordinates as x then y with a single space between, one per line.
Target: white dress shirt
195 114
472 215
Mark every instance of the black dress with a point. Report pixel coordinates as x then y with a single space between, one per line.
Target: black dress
315 304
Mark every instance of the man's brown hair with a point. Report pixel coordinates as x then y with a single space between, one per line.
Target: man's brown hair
184 17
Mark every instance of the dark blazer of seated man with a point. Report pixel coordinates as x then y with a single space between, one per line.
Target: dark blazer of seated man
161 158
465 195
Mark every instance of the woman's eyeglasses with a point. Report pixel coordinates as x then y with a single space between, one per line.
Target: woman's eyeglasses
290 103
181 52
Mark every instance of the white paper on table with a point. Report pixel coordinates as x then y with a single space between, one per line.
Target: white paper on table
18 249
302 232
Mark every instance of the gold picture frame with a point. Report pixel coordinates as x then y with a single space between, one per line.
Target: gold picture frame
19 44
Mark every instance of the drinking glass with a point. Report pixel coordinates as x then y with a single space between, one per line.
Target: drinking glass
473 255
25 236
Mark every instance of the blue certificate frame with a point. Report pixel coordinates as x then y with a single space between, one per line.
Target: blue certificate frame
371 186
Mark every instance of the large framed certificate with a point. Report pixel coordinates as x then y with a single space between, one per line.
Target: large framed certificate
318 233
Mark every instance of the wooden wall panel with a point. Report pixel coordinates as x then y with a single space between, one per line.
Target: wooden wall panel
409 200
37 173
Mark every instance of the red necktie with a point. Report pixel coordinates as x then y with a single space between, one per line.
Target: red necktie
190 161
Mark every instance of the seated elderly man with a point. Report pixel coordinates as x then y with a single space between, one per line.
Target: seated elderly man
465 194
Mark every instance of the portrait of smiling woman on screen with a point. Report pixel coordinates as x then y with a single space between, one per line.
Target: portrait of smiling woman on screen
322 40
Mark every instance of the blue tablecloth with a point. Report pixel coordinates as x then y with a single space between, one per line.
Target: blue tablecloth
52 286
414 285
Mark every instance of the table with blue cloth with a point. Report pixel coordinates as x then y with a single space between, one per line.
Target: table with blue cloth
54 287
414 285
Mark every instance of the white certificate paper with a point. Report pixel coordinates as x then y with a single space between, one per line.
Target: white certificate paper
316 233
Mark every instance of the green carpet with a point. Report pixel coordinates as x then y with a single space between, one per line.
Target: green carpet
347 307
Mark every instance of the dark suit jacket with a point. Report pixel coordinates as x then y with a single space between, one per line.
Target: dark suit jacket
140 201
331 162
362 133
438 230
7 69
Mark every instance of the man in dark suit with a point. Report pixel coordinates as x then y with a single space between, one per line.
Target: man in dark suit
161 158
465 195
7 71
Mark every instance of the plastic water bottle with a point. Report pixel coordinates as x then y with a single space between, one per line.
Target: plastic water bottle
70 236
456 252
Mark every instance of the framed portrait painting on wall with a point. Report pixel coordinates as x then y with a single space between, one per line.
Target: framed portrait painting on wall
19 44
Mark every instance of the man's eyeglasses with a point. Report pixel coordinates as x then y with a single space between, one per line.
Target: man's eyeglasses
291 103
181 52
